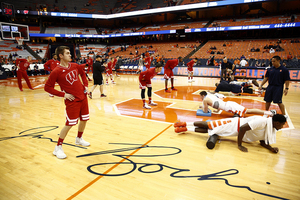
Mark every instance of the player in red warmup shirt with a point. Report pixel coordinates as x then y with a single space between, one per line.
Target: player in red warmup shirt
168 72
191 70
148 61
22 65
75 93
109 71
89 61
51 64
145 81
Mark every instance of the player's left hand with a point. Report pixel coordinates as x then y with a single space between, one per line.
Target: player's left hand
285 92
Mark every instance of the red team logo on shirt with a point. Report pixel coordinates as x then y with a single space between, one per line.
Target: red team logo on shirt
72 76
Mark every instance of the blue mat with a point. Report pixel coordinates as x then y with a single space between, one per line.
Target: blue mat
201 113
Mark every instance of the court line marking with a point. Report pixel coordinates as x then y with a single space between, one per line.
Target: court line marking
116 165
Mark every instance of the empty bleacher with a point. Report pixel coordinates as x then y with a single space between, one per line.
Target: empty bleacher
9 47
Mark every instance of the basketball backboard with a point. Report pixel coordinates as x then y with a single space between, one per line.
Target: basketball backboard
10 31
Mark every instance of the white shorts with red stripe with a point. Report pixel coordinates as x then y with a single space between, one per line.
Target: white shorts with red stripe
235 108
224 127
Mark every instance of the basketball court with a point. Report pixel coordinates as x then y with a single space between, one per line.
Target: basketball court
135 153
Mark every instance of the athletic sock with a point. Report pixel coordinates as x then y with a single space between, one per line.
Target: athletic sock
192 129
150 99
189 123
79 134
268 113
60 141
144 101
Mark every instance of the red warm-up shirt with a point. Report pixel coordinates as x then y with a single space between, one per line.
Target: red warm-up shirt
68 80
147 75
171 64
22 63
89 61
51 64
148 61
190 65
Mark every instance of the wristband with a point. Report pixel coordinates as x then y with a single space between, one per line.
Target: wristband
287 88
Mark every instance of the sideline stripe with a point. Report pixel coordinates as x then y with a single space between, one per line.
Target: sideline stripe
107 171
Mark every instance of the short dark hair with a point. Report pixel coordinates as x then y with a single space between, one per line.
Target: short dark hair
196 58
204 93
277 58
158 65
179 58
61 50
279 118
53 54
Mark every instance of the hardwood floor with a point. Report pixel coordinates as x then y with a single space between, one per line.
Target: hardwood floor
135 153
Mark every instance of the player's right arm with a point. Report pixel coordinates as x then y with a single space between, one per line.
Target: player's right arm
205 106
241 134
50 84
47 66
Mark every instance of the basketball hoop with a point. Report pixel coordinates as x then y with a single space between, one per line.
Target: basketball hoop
19 40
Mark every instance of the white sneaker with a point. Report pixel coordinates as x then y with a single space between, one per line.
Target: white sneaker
146 106
107 84
59 152
113 82
273 112
81 141
189 81
51 95
193 80
152 103
286 116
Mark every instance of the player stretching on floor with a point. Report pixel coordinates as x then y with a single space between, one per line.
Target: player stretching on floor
250 129
214 101
190 69
74 91
145 81
168 72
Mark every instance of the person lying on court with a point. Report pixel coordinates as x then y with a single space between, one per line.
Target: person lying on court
215 101
236 86
250 129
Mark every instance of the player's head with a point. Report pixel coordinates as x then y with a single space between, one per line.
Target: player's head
63 53
203 94
98 58
276 61
54 56
29 58
278 121
195 59
158 68
225 59
180 59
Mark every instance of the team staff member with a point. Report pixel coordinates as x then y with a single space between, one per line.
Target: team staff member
22 65
226 66
168 72
148 61
97 76
145 81
277 76
250 129
190 69
74 91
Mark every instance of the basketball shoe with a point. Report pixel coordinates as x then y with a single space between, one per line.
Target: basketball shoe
173 89
103 95
180 124
81 141
59 152
146 106
151 103
167 91
90 95
273 112
180 129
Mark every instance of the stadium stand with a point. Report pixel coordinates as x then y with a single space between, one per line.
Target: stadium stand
71 30
9 47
